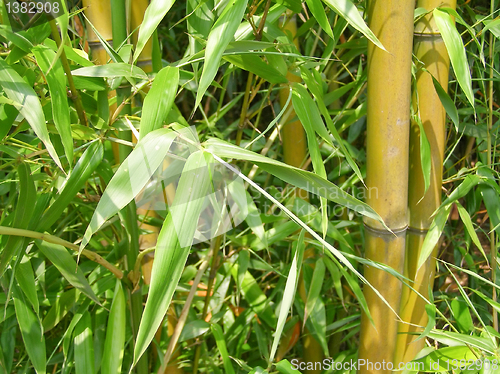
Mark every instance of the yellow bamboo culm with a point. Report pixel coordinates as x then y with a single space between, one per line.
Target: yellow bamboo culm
98 12
430 50
388 126
294 153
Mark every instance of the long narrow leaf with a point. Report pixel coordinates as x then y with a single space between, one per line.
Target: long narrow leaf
456 51
131 177
221 34
20 92
347 10
63 261
84 346
159 100
115 334
170 257
31 332
152 18
59 97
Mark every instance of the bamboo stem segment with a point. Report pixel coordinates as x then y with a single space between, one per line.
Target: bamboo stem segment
429 49
388 116
98 13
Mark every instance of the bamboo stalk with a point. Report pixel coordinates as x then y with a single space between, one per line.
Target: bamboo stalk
489 162
98 12
294 153
388 116
429 48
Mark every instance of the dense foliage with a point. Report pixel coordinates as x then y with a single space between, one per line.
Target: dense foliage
94 158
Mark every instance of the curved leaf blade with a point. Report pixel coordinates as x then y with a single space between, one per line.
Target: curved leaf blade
20 92
131 177
84 346
222 33
31 332
347 10
456 51
170 257
152 18
159 100
59 98
115 334
64 262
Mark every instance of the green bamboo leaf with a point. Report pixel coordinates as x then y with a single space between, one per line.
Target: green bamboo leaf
222 33
84 346
461 314
491 197
17 38
221 346
19 91
456 51
310 118
315 288
297 177
447 102
316 8
308 112
288 293
316 323
464 215
285 367
68 334
485 343
63 22
8 340
152 18
86 165
59 97
100 327
115 334
309 79
494 304
26 280
425 155
262 340
31 332
193 329
170 255
131 177
440 360
255 297
347 10
22 216
463 189
432 237
118 70
60 308
63 261
256 65
431 320
159 100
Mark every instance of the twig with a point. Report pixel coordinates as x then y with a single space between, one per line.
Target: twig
55 240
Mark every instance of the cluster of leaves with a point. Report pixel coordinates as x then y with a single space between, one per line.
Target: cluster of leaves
70 259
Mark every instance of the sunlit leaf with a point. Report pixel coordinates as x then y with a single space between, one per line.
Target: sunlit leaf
20 92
